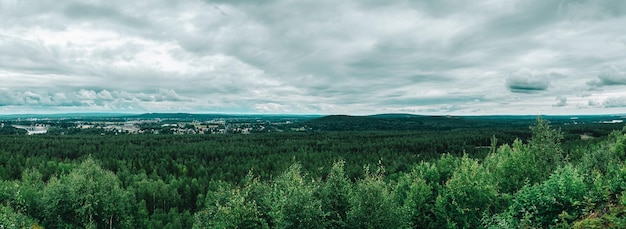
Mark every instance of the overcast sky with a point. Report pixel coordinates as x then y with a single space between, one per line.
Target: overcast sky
313 57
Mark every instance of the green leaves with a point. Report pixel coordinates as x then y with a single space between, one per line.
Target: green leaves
292 202
468 195
87 197
372 205
9 218
235 210
520 163
513 167
541 204
415 196
545 146
335 196
203 184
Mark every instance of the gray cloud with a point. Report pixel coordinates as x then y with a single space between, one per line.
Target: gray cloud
102 13
310 57
29 56
561 102
593 103
612 78
528 81
103 99
613 102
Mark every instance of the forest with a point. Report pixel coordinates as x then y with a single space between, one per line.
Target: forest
545 175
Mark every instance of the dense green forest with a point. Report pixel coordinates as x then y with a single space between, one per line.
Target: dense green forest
480 177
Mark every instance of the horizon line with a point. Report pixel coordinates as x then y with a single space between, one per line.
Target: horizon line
299 114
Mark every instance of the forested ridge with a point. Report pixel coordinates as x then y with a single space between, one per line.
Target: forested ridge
532 178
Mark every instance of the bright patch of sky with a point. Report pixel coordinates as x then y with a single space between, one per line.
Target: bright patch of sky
314 57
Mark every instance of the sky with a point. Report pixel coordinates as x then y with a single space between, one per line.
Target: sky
445 57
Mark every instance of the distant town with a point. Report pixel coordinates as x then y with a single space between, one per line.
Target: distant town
153 124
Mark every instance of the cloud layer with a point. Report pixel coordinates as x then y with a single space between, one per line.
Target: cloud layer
279 56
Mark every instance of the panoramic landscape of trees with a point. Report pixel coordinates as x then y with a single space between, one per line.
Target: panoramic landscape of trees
496 177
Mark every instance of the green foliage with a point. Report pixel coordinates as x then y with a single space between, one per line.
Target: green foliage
229 207
31 190
292 203
521 164
335 196
618 138
87 197
446 167
372 205
229 157
513 167
437 173
10 130
611 216
415 196
9 218
540 205
597 158
545 146
617 174
15 205
200 181
233 210
468 195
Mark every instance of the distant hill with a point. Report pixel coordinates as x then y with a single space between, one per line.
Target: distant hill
395 115
421 122
347 122
389 122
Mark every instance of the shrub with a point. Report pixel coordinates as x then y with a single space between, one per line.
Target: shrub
513 167
468 195
541 204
